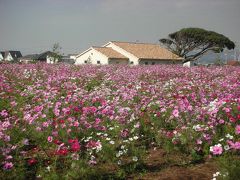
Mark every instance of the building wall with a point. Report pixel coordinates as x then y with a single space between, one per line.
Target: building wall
25 61
118 61
188 64
153 62
50 60
73 57
132 59
9 57
92 57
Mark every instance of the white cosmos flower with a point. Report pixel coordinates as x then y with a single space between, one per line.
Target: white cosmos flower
119 162
229 136
135 137
135 158
119 154
220 140
226 147
48 168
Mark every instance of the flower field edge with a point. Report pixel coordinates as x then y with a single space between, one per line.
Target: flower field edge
66 121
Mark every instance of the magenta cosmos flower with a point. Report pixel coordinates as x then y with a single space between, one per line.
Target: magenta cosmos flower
237 129
216 149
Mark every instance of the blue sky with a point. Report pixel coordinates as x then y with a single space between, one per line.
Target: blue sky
33 26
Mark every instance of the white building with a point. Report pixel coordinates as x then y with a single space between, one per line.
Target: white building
48 57
10 55
73 56
1 56
188 64
128 53
101 55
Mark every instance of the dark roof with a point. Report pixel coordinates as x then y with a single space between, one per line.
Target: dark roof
68 61
30 56
44 55
66 57
15 54
2 53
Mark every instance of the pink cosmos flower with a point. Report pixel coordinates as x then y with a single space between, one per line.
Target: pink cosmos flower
137 125
45 124
124 133
32 161
8 157
199 141
237 129
13 103
236 145
175 113
76 124
25 141
7 165
4 113
55 133
216 149
232 119
6 124
227 109
7 138
56 112
75 146
97 121
50 138
62 152
38 129
221 121
92 162
38 108
94 145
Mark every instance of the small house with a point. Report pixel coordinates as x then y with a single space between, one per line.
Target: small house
48 57
67 59
11 55
28 58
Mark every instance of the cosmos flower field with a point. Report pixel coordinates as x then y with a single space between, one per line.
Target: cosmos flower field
67 121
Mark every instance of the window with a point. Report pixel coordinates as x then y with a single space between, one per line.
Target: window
85 62
146 63
153 63
98 62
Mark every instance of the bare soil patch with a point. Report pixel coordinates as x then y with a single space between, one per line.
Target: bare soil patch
173 166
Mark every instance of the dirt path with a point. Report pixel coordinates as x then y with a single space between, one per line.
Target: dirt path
160 165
